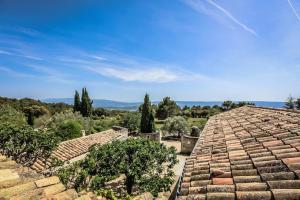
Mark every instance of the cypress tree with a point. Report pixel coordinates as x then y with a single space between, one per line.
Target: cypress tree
86 103
147 119
77 102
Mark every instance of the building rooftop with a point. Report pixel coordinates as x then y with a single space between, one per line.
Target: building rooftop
76 149
246 153
18 182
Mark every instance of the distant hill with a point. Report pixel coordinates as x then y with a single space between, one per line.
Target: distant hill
111 104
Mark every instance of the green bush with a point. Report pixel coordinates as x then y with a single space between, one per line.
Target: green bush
176 126
69 129
146 164
10 115
132 121
105 123
58 119
24 144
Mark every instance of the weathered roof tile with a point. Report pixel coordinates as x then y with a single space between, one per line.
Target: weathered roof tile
250 152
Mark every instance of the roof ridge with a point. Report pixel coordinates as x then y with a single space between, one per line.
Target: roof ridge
277 109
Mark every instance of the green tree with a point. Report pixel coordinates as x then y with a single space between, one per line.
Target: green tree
25 145
297 102
11 116
33 112
69 129
227 105
176 126
147 118
56 121
167 108
86 103
132 121
146 165
77 102
290 103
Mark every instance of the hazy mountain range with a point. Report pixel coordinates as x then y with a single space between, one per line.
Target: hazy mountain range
111 104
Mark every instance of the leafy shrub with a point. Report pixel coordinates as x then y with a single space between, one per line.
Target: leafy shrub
10 115
167 108
69 129
109 194
132 121
24 144
145 163
58 119
176 126
195 131
105 123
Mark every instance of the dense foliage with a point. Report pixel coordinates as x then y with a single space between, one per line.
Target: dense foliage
86 103
105 123
77 102
290 103
195 131
132 121
147 118
69 129
58 121
176 126
24 144
11 116
146 164
20 104
33 112
167 108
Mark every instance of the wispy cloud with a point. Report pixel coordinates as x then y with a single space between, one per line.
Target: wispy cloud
294 10
31 57
10 53
5 52
50 74
98 58
200 6
23 30
147 75
14 73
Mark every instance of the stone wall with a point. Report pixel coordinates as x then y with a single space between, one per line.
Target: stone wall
188 143
152 136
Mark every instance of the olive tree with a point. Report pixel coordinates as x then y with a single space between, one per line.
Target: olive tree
132 121
176 126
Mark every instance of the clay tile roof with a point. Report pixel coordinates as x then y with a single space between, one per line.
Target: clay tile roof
246 153
73 149
18 182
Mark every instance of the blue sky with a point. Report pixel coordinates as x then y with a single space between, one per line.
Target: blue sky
187 49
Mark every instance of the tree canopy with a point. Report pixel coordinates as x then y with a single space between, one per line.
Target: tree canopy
24 144
167 108
86 103
290 103
132 121
146 165
147 118
77 102
176 126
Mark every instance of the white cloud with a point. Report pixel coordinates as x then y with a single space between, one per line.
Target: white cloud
32 57
98 58
5 52
14 73
199 6
155 75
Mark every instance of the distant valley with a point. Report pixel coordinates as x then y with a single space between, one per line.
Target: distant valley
111 104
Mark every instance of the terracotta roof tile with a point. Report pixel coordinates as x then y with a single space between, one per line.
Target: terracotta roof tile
249 153
70 149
